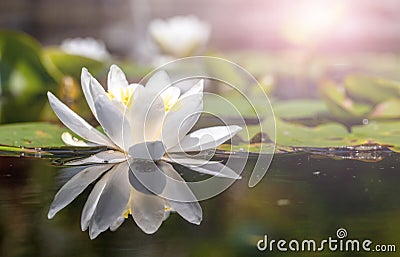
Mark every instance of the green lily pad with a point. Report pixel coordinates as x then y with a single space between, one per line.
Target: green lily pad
37 134
340 105
325 135
371 89
62 64
388 109
298 109
378 132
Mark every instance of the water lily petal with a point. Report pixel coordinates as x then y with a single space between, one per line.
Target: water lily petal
181 119
196 89
112 120
116 80
147 150
147 211
206 138
86 79
215 169
112 202
108 156
68 139
180 197
158 81
75 123
74 187
146 116
170 96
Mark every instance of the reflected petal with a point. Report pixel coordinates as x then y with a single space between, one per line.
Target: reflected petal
147 211
93 199
74 187
180 197
215 169
146 177
117 223
112 202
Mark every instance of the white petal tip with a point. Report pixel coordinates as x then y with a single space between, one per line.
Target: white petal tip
51 214
150 230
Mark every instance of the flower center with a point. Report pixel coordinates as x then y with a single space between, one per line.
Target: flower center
123 95
169 101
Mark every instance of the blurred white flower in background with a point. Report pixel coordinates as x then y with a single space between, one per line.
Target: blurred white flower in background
87 47
180 36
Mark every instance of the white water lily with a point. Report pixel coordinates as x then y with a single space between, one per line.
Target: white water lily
87 47
146 127
180 36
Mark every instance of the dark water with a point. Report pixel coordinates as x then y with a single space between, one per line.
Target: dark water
302 196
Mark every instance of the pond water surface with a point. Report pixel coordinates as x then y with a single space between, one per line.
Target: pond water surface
303 196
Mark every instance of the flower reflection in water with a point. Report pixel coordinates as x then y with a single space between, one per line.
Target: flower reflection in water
119 193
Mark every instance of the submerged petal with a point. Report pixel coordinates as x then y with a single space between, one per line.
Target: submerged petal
105 157
75 123
206 138
68 139
74 187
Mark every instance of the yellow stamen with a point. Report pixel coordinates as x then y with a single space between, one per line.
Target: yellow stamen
125 96
169 101
127 213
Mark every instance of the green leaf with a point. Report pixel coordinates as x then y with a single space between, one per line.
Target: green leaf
340 105
378 132
24 80
388 109
61 64
326 135
37 134
298 109
371 89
